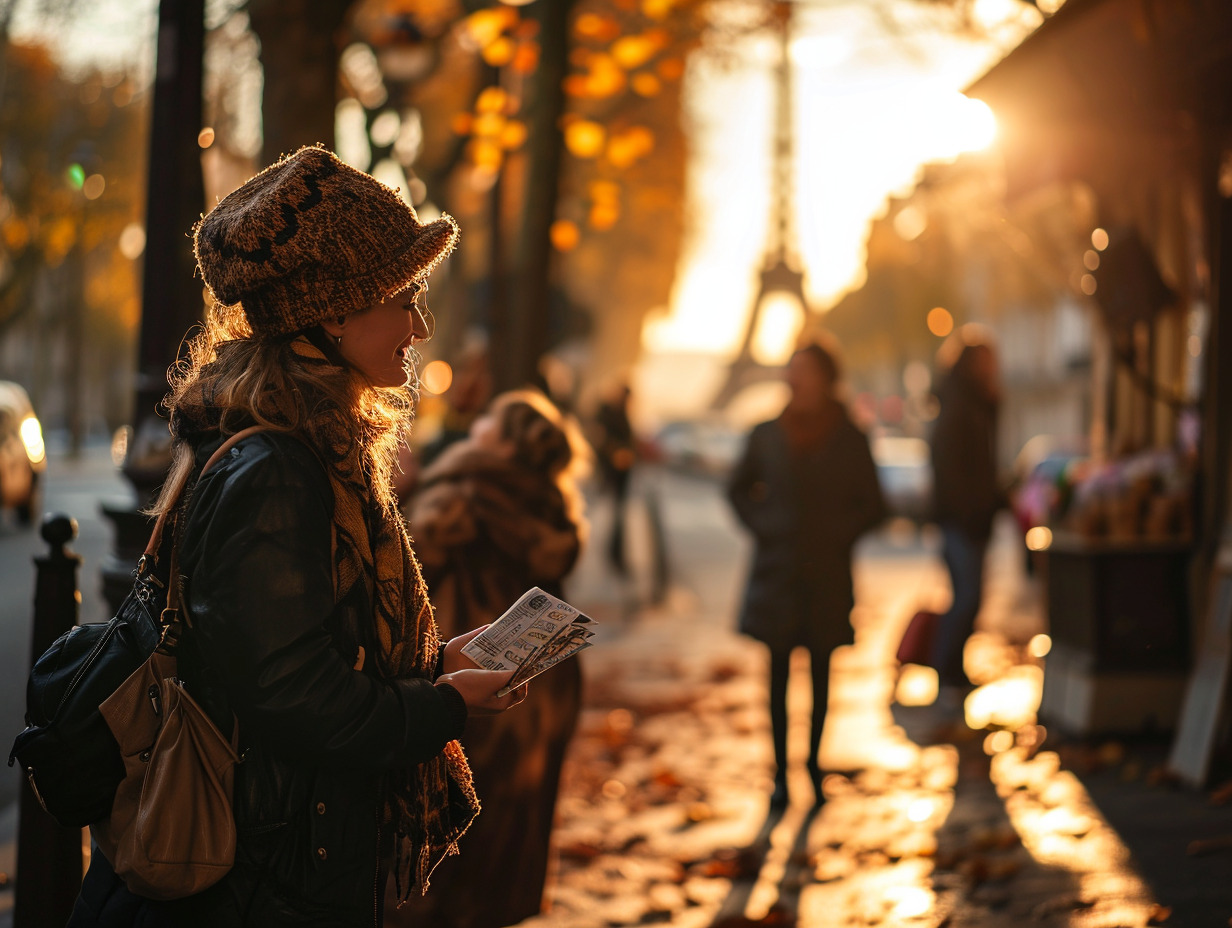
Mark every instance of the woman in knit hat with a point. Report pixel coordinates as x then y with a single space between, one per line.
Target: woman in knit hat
309 622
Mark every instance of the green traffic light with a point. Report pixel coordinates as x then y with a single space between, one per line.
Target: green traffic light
76 176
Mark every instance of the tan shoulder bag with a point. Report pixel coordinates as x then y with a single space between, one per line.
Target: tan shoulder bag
171 832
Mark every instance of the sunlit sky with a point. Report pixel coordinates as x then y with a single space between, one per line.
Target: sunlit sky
107 33
871 106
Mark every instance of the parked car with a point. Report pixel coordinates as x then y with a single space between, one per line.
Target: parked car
905 472
709 447
23 457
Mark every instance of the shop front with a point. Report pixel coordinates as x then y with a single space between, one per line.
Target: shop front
1127 97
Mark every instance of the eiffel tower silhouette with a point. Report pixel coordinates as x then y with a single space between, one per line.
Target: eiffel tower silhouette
780 271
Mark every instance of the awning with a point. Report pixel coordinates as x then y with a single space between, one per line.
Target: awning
1109 89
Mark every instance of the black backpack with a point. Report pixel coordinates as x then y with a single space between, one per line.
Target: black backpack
68 753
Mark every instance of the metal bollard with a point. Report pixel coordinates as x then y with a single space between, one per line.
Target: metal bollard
660 577
49 856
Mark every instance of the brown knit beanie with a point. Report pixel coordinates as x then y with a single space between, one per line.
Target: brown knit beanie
309 239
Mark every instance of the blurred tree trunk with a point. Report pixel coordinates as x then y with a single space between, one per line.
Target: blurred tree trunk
300 48
521 336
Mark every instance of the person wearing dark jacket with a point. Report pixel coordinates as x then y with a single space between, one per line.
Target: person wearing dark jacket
307 623
806 488
966 494
498 513
617 453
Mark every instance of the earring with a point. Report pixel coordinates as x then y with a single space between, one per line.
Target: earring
337 341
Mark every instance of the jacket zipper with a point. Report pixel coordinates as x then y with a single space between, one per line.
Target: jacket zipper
376 876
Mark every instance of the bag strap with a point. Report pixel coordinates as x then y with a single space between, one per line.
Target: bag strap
156 536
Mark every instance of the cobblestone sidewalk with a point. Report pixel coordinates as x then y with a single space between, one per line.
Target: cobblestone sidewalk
663 816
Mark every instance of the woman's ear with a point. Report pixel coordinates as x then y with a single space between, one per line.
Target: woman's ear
334 327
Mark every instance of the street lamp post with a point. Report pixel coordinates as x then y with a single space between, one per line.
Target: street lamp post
171 300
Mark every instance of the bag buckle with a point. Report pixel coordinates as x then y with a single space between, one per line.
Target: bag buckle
169 619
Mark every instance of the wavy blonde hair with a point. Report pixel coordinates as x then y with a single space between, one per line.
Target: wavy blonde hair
544 439
264 381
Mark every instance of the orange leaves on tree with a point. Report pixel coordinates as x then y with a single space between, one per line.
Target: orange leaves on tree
629 145
526 58
585 138
493 100
565 235
670 69
487 25
657 10
59 237
513 135
16 234
489 125
604 77
645 84
633 51
500 51
604 205
485 154
596 27
492 130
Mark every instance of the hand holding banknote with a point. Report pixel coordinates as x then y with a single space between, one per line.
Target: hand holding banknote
479 687
486 692
535 633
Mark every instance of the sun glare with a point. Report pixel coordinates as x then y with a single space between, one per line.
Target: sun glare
868 114
962 124
777 329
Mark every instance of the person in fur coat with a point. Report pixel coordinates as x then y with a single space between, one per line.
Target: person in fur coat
494 515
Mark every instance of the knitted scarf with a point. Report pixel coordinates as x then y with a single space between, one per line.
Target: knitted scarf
428 806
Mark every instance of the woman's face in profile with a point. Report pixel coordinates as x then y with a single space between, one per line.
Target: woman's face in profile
377 341
810 386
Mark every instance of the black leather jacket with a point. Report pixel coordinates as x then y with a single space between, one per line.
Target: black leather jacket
316 735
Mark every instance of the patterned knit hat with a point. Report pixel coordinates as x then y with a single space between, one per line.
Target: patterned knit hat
309 239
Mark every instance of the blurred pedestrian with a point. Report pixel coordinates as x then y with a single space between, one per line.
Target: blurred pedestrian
496 514
966 493
806 488
310 622
617 453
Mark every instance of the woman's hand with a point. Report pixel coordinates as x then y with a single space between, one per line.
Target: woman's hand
454 659
479 688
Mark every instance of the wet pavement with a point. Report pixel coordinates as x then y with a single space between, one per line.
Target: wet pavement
928 819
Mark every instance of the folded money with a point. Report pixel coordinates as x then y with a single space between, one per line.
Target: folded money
535 633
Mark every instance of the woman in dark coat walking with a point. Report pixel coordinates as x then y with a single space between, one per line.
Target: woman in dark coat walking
498 513
806 488
966 493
